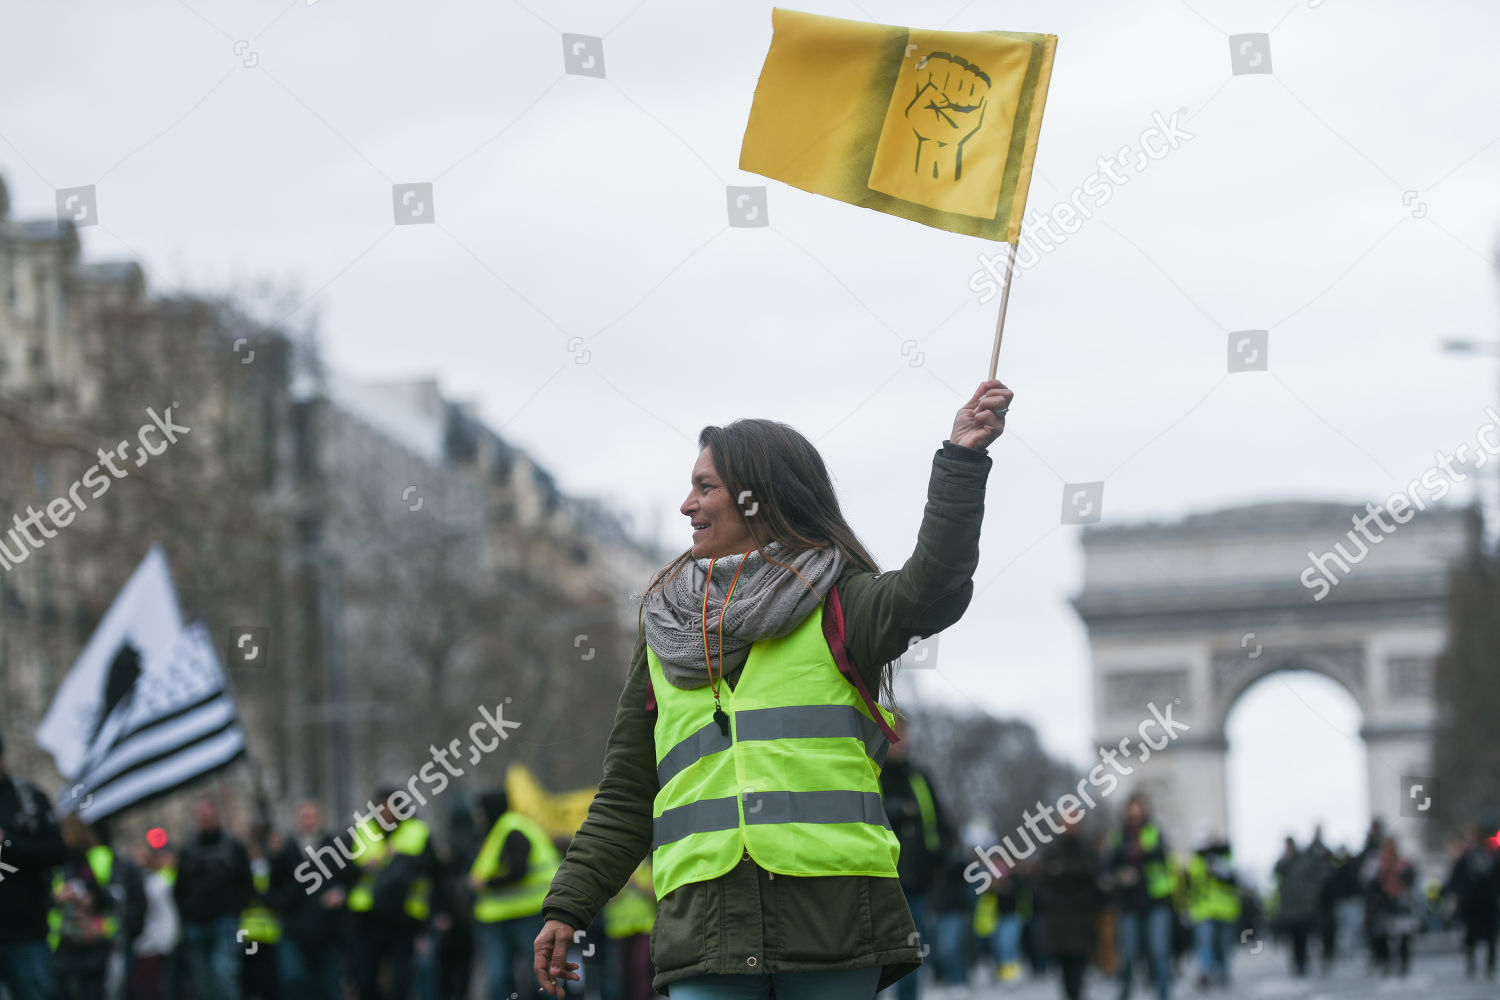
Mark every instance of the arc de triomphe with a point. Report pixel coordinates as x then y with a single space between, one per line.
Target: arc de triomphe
1193 613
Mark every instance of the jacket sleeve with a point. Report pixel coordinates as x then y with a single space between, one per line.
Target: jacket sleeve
616 834
884 612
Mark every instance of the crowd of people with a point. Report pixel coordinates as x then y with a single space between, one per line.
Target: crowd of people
380 912
385 912
1132 908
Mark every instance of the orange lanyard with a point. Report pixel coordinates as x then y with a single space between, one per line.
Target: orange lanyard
719 716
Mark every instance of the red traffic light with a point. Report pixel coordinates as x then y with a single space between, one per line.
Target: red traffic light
156 837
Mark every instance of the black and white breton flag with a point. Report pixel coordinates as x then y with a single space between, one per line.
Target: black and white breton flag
146 708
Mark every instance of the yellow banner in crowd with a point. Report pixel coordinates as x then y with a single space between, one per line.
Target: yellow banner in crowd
559 814
939 127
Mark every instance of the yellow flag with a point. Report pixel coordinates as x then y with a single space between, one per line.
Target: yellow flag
939 127
560 815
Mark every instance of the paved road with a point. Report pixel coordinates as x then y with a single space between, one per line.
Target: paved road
1265 977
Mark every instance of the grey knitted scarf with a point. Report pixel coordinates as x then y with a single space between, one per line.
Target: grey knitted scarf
769 602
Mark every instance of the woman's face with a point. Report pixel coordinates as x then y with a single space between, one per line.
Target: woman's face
719 526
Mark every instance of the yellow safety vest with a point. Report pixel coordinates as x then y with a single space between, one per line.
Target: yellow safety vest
632 911
795 783
259 921
375 850
1209 898
1159 882
519 899
101 861
986 915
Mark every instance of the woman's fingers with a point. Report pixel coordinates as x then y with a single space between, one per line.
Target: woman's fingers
997 397
551 963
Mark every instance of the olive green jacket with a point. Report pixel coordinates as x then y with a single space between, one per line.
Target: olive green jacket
750 921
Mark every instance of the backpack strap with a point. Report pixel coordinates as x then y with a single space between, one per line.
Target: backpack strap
833 632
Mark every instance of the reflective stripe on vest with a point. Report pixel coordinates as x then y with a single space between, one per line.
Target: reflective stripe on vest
796 722
519 899
375 849
796 784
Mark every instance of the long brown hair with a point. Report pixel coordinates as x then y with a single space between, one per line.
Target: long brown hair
783 492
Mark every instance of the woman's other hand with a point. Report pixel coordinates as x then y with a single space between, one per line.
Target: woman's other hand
977 423
552 965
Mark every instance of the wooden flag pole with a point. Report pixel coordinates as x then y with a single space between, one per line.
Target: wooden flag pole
1010 263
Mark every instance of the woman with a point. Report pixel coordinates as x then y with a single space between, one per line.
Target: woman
745 752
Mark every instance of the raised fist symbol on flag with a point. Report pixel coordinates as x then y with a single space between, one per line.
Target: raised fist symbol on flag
945 112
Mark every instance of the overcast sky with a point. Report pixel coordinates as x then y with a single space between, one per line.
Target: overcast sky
570 206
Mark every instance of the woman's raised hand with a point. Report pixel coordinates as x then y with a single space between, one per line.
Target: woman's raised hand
552 965
977 422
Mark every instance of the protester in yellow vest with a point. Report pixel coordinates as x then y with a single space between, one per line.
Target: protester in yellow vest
1214 906
98 908
746 753
400 895
260 926
1143 886
509 878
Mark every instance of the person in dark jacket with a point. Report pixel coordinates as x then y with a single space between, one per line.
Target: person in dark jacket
310 952
1474 883
805 897
31 846
214 884
921 827
1067 885
1299 887
1327 898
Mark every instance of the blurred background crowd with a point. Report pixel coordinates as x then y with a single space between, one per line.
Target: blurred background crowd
387 910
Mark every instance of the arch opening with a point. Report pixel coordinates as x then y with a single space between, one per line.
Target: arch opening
1296 760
